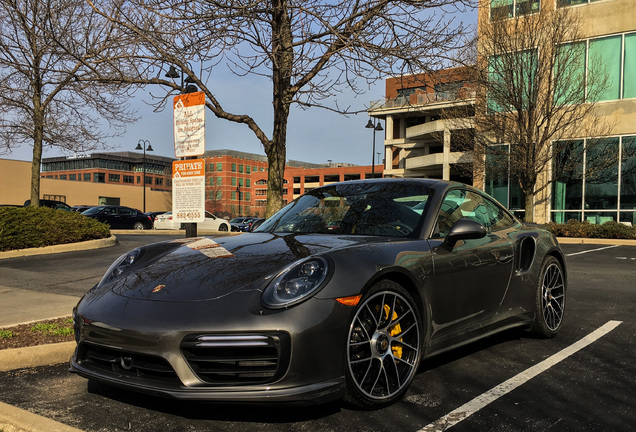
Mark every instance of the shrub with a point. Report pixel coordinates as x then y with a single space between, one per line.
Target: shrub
29 227
609 230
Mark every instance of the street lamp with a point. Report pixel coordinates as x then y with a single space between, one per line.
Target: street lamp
190 87
145 147
376 127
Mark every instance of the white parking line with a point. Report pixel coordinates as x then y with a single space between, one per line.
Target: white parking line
481 401
593 250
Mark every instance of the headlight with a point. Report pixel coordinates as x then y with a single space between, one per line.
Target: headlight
296 283
120 265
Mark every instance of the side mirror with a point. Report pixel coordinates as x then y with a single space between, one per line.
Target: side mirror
464 229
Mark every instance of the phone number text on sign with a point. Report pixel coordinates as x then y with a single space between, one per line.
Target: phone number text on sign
188 191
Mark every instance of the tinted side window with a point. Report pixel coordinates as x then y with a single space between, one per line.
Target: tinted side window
460 203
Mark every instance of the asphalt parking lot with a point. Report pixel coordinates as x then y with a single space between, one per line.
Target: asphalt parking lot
581 380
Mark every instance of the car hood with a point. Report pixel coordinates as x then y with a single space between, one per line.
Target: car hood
202 269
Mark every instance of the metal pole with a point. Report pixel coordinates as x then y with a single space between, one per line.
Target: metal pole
144 176
373 156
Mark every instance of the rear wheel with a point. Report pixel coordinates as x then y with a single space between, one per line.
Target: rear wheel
550 301
383 347
138 226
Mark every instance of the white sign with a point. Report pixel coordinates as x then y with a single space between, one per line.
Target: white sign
188 190
189 124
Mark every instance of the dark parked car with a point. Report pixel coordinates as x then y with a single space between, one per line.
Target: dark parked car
153 215
120 217
58 205
246 224
306 311
238 222
81 208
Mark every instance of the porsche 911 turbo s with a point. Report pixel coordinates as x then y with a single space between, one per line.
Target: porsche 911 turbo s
305 310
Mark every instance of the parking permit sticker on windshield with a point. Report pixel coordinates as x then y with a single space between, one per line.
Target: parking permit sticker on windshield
209 248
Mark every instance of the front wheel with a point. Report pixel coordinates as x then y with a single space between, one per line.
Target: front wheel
550 300
383 347
223 227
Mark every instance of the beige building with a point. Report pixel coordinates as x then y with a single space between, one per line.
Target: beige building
15 189
414 130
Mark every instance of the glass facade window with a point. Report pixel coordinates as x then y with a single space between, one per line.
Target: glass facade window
233 195
219 166
564 3
219 181
87 177
628 173
499 183
501 9
601 179
567 189
219 195
233 181
607 52
600 189
233 167
240 169
114 178
629 67
609 64
99 178
148 180
129 179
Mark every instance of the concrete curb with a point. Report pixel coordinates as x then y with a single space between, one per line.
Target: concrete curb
585 240
85 245
34 356
14 419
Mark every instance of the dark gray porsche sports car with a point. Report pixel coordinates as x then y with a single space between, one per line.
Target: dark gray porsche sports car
340 294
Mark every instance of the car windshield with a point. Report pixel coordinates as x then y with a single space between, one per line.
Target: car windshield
355 208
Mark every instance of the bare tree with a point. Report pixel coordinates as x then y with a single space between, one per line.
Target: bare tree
46 95
536 95
308 50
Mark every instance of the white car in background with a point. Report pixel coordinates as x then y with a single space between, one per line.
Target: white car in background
211 223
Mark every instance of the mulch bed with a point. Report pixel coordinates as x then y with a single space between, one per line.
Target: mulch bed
23 336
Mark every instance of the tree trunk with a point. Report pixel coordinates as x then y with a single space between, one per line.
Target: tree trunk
529 216
282 71
38 133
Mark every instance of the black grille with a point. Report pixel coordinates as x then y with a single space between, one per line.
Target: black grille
124 363
237 359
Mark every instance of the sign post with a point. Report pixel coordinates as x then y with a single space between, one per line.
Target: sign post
188 190
189 125
188 185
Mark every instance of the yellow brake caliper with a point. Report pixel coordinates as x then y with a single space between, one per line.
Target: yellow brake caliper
395 330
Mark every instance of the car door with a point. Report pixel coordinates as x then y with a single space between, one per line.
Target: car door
471 278
126 217
108 215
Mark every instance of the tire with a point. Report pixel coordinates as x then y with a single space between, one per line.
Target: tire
223 227
382 354
139 226
550 299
